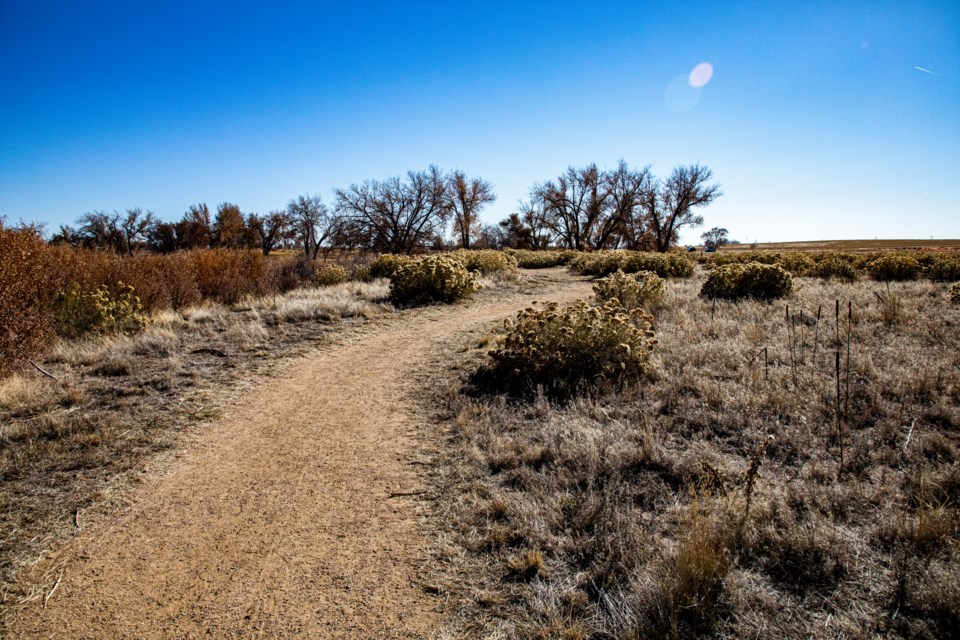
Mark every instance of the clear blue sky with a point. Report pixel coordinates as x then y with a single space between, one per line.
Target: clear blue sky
816 121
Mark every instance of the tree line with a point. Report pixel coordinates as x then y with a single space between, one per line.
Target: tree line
585 208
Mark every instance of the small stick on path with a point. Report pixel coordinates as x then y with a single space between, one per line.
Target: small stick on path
50 593
397 494
42 370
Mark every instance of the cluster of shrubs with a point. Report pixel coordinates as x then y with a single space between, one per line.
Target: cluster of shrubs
602 263
563 351
752 280
528 259
437 278
47 290
642 290
881 266
486 261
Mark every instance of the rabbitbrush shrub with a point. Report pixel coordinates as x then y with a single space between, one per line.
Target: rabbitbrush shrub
387 264
894 267
329 274
543 259
641 290
440 278
751 280
940 267
566 350
485 260
79 312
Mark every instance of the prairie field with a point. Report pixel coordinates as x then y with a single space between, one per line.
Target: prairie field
549 456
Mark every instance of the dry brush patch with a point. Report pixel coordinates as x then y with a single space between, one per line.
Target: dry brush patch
791 469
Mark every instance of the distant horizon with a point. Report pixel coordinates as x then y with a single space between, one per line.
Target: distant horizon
835 119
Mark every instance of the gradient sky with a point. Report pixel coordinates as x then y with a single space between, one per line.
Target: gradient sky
822 120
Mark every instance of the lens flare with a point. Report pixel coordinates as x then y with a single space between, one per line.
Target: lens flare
701 74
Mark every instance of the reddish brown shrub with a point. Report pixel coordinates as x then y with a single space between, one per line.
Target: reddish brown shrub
25 321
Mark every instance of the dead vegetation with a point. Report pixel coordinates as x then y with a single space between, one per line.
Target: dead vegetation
790 470
69 442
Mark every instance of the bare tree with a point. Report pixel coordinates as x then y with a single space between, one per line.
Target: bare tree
669 205
270 230
396 215
467 198
625 218
133 226
100 230
312 223
195 229
587 208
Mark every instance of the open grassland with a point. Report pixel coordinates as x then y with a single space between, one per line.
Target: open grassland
853 246
785 470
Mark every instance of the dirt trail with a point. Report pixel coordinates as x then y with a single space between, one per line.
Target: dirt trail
279 522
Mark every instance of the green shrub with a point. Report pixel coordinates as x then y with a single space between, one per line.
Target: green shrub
527 259
955 293
79 312
329 274
751 280
387 264
894 267
485 260
566 350
439 278
642 290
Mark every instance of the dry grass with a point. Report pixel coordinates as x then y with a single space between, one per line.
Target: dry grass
765 483
69 445
854 246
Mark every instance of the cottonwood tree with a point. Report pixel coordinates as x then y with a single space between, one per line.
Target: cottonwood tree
715 238
395 215
229 227
195 229
467 197
134 226
670 204
586 208
270 230
312 223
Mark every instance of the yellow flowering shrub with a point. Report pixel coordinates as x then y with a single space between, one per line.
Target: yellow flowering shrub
439 278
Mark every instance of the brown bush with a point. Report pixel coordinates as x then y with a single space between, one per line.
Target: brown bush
25 321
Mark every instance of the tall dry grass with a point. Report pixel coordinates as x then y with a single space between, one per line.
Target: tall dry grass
791 470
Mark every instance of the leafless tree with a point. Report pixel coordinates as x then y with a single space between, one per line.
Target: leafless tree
195 229
101 230
467 198
270 230
669 205
396 215
312 223
134 225
587 208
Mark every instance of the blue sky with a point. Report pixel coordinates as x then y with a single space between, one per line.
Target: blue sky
816 122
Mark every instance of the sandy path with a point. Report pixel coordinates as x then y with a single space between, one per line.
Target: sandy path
279 522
